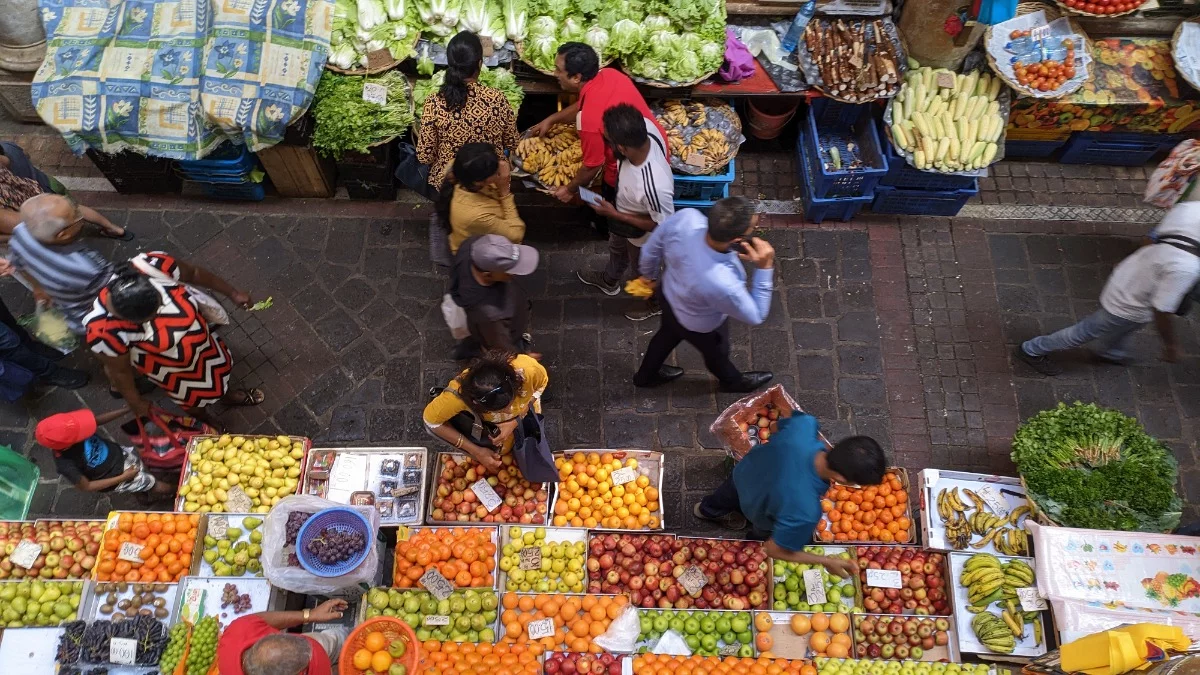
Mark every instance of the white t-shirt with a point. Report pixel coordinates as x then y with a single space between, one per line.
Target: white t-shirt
1156 278
650 188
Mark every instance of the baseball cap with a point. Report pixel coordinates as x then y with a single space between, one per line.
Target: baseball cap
494 253
61 431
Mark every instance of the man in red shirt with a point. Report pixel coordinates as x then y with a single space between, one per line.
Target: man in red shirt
257 645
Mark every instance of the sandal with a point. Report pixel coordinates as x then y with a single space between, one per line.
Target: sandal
125 235
247 397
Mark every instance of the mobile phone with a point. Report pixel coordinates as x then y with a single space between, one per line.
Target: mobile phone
589 197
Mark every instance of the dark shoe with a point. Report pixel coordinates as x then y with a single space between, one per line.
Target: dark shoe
597 279
750 381
664 375
1042 364
1108 360
67 378
729 521
643 313
46 351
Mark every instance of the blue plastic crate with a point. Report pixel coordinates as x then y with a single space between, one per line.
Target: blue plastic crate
225 159
920 202
817 209
702 204
901 174
341 519
250 192
704 188
1115 148
827 183
1032 149
835 115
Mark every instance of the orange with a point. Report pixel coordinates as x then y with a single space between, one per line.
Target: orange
800 624
764 641
362 659
840 639
837 650
819 642
820 622
376 641
839 623
381 661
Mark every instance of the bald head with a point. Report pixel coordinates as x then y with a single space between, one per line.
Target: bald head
50 218
279 654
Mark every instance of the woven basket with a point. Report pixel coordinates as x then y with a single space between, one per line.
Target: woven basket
1080 12
661 84
1038 514
735 122
520 47
392 629
1175 46
1051 14
384 63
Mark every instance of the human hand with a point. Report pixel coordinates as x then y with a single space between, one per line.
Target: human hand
564 194
130 473
241 299
42 297
841 568
490 460
604 208
328 611
6 268
541 128
759 252
140 408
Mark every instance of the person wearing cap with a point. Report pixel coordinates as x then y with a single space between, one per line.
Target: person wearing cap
497 309
90 462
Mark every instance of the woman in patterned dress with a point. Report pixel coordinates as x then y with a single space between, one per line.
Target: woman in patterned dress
146 321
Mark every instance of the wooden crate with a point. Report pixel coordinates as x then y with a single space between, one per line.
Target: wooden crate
298 171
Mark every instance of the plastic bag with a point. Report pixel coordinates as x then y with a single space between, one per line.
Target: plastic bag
622 634
297 579
764 41
456 318
739 63
1174 176
672 644
50 327
726 427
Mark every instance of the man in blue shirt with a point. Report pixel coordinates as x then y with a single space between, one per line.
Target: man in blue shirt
704 284
778 487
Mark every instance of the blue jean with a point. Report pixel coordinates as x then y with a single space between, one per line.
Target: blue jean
1110 331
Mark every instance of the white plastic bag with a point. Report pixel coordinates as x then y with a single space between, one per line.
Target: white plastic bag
456 318
622 634
671 644
297 579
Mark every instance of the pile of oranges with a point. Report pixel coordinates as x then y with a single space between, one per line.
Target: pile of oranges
466 658
577 620
873 513
166 539
464 555
655 664
378 653
828 634
588 498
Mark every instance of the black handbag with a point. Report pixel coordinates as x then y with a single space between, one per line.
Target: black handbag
531 449
478 430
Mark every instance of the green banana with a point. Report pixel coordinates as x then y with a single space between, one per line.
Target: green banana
1037 633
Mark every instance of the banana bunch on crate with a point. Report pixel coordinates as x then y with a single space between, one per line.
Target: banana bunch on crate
709 144
963 525
555 159
989 581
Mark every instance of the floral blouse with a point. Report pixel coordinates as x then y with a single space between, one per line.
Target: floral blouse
486 117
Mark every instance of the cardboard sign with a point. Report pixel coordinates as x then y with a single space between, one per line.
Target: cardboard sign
1030 600
237 501
489 47
814 587
218 526
693 580
375 93
729 650
437 620
530 558
122 651
129 552
624 475
487 496
695 159
25 554
435 583
945 80
542 628
885 579
993 499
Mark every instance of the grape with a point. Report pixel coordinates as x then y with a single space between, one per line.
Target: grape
332 546
229 596
174 650
203 646
295 521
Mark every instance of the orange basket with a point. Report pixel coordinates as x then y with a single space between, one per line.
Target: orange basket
392 629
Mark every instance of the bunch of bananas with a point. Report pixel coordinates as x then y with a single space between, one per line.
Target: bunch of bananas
988 580
554 159
683 114
710 145
639 287
1000 531
993 633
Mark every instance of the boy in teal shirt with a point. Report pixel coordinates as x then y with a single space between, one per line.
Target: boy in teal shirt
778 487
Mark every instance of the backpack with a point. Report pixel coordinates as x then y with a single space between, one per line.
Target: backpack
1191 246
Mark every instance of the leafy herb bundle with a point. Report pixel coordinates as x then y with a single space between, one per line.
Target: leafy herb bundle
344 121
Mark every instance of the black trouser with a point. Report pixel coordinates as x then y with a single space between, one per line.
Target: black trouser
713 346
7 318
724 501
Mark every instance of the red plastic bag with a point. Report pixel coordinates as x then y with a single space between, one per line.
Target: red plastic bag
728 425
164 449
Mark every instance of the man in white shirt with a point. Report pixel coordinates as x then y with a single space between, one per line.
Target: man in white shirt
1149 286
645 197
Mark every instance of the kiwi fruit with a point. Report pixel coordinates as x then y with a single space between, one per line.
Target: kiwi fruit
161 613
124 604
106 609
118 617
160 602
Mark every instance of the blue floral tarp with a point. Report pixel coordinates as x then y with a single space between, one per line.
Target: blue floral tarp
176 78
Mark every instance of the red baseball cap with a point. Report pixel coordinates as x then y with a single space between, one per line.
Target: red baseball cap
61 431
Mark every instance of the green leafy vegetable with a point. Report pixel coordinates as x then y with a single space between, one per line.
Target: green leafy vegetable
344 121
496 78
1096 468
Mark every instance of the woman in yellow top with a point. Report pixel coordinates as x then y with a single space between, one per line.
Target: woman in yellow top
478 199
500 389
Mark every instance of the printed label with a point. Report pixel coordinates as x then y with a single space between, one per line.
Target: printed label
993 499
729 650
624 475
122 651
693 580
375 93
884 579
541 628
129 552
530 558
437 620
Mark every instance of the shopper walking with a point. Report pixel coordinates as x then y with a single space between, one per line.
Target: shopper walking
20 181
703 285
477 199
645 198
257 644
497 309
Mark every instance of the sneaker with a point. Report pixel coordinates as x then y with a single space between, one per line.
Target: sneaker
643 313
1043 364
597 279
66 378
46 351
729 521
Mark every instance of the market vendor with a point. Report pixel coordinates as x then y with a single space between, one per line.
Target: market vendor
777 487
577 68
257 645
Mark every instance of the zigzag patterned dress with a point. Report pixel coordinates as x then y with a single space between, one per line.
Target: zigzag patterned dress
175 349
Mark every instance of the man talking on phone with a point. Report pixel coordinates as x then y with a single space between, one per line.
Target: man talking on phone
704 284
645 198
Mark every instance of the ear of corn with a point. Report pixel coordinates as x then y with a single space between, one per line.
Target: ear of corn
948 128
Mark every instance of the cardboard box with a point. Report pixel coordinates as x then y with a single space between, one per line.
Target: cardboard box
650 464
967 642
931 481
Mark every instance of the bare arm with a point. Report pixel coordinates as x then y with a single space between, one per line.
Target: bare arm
105 418
8 221
85 485
330 610
584 176
120 375
195 274
486 457
836 566
564 116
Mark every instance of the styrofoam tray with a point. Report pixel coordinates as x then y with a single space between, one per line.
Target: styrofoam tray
650 464
553 535
847 604
932 481
201 596
90 607
200 566
967 642
413 473
406 533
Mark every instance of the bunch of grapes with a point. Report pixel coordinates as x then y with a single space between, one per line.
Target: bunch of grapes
229 596
174 651
70 642
335 546
204 646
295 521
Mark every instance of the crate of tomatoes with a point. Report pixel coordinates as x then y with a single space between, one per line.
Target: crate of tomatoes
871 513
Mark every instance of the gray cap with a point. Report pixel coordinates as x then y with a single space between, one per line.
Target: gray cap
494 253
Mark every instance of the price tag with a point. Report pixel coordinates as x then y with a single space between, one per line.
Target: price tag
217 526
624 475
237 501
129 552
1030 600
403 533
945 80
729 650
814 587
696 159
993 499
884 579
487 496
25 554
530 558
542 628
489 47
122 651
437 620
375 93
693 580
435 583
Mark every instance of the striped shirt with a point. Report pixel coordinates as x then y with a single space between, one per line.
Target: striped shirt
72 274
647 189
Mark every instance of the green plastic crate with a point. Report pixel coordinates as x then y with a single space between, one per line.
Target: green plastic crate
18 479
